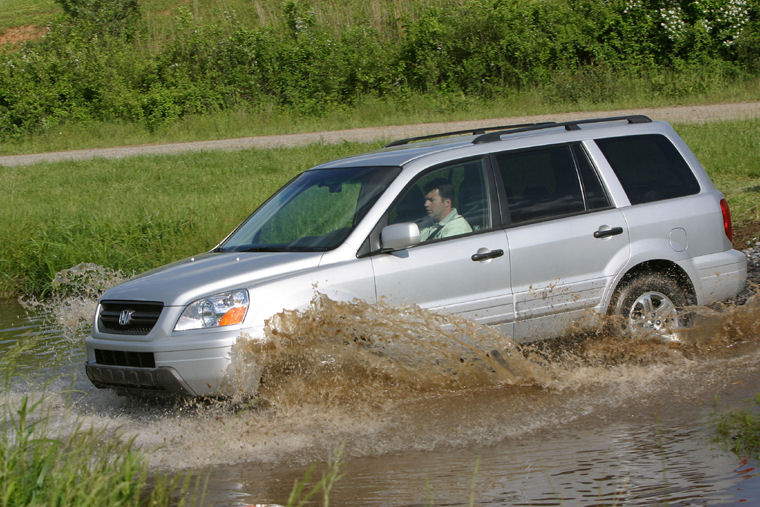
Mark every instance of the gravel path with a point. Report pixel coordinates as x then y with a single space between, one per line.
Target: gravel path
680 114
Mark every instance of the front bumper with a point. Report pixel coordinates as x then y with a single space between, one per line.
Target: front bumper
160 380
195 365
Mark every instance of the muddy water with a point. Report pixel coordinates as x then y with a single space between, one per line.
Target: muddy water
432 409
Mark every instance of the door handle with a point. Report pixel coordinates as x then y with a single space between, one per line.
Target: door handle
487 255
603 233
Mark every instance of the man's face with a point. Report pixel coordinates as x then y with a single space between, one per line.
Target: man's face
436 207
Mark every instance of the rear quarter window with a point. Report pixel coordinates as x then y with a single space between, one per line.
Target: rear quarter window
649 167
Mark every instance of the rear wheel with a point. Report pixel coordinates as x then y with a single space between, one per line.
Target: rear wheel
652 306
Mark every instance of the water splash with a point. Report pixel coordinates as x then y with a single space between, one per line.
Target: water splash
73 299
347 352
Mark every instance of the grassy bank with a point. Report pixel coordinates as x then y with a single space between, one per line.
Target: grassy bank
138 213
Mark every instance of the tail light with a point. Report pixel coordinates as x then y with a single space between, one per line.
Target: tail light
727 227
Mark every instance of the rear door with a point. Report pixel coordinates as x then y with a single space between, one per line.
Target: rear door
566 240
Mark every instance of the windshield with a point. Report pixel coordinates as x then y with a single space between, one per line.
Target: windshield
314 212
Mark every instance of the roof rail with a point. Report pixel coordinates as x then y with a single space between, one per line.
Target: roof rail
569 125
474 132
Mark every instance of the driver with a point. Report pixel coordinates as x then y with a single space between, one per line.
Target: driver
445 219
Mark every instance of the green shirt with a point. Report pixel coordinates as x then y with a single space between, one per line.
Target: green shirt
453 224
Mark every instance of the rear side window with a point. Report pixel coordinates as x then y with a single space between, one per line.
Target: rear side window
649 167
540 183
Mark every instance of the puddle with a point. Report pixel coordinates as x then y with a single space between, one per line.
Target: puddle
428 405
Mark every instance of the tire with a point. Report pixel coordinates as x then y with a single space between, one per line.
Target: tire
651 306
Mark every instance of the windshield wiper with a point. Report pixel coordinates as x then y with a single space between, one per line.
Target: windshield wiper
253 249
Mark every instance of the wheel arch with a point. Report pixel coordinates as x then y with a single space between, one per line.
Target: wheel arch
662 267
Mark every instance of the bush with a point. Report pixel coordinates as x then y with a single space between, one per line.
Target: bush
93 66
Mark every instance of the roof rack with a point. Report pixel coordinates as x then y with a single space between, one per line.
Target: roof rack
569 125
474 132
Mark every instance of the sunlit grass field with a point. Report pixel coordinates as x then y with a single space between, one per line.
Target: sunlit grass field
137 213
16 13
387 15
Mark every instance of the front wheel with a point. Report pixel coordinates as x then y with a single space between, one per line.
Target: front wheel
652 306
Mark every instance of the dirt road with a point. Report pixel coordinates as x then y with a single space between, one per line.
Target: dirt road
681 114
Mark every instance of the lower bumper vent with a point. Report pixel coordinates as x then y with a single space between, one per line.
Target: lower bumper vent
121 358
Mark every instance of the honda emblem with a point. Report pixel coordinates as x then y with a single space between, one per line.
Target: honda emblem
125 317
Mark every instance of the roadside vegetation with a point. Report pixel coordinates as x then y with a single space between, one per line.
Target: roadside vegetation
137 213
107 73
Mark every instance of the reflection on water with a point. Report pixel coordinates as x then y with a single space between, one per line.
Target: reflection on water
622 464
433 409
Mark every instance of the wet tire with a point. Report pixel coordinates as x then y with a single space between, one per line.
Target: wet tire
651 306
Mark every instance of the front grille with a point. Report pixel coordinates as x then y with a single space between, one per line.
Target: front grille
142 316
121 358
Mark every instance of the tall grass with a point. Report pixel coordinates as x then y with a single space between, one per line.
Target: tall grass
135 213
730 151
48 461
138 213
739 430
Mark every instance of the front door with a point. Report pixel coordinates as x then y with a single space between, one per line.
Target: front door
462 264
442 276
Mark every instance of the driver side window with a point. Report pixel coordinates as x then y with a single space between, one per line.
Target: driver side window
448 201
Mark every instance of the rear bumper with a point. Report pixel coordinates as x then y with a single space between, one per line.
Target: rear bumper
722 275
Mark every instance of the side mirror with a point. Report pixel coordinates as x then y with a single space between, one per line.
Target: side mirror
399 236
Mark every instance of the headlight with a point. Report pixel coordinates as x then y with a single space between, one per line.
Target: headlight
222 309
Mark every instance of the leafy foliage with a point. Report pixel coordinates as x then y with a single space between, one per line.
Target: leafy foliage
112 17
93 64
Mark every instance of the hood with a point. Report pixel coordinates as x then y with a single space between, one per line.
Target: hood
182 282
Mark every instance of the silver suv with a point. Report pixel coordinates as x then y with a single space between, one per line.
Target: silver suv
530 228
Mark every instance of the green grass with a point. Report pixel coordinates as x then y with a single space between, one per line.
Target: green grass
15 13
730 151
739 430
44 462
138 213
388 15
135 213
84 467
